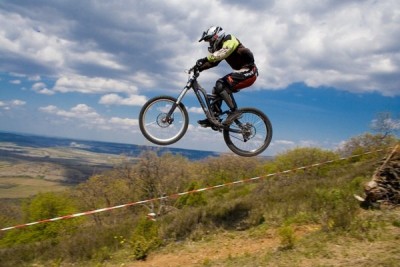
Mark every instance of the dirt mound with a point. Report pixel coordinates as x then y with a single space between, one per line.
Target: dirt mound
384 188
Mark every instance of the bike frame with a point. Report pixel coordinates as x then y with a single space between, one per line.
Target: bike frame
247 131
203 99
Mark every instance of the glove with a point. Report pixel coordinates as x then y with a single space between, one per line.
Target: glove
201 62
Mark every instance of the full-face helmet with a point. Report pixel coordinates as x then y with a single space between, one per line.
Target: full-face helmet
214 36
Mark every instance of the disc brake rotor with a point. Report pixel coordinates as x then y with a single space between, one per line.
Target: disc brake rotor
248 131
163 121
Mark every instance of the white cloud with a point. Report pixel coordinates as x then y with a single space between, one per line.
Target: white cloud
284 142
97 58
347 43
350 45
17 102
46 91
15 82
49 109
41 88
114 99
202 136
34 78
81 116
19 75
11 104
308 143
123 122
84 84
80 111
85 116
49 45
144 79
196 110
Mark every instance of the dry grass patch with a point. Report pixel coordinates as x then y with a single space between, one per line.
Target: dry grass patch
25 186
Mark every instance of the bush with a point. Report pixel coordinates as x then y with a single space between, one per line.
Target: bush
193 199
182 223
230 215
44 206
337 207
287 236
145 238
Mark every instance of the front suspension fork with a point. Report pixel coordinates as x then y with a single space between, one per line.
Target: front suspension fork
170 118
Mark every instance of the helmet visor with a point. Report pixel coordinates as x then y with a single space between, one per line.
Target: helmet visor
205 37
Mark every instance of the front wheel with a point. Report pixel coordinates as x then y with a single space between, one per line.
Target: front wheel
249 132
157 126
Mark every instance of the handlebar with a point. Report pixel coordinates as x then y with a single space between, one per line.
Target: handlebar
195 71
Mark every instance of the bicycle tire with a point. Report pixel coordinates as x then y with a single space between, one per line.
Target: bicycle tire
155 129
248 133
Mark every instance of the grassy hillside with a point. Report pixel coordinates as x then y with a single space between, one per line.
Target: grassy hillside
307 217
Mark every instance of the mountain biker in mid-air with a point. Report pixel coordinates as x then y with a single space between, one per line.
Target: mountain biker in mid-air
228 47
247 131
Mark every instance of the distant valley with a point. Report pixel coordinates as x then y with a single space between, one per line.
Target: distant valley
30 164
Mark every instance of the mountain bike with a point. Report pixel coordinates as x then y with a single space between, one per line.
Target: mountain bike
164 120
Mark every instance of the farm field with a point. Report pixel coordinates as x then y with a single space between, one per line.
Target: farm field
26 171
25 186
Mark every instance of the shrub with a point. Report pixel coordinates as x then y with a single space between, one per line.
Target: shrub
337 208
145 237
230 214
287 236
192 200
182 223
44 206
396 223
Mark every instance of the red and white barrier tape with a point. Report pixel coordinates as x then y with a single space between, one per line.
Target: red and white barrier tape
183 193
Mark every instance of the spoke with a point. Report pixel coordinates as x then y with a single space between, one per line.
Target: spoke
150 123
240 139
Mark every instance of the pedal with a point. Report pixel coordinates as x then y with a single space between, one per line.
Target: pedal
215 128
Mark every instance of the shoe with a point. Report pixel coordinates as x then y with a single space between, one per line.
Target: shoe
204 123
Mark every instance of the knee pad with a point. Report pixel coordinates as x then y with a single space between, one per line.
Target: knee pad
219 87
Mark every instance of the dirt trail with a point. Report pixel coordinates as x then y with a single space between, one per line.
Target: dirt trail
216 248
194 253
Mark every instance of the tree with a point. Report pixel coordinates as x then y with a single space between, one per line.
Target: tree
102 191
365 143
386 125
159 176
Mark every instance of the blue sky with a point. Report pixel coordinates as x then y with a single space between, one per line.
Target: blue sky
83 69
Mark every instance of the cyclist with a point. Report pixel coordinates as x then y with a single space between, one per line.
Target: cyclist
223 46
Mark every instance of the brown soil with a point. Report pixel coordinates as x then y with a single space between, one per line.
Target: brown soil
217 248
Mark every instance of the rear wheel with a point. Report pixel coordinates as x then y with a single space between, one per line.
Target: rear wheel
249 132
155 125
